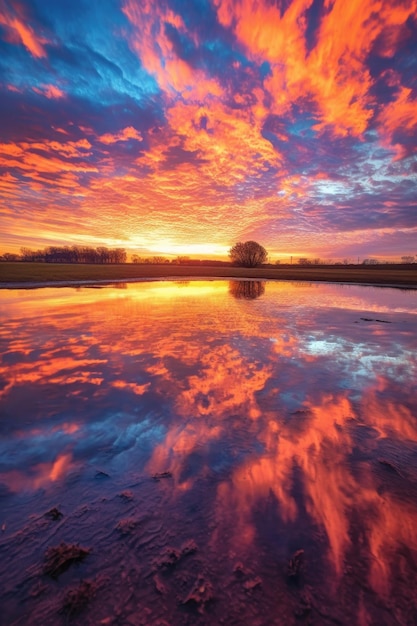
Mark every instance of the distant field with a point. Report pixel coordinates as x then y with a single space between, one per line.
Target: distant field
33 273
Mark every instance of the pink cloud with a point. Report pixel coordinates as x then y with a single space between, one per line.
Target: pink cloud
50 91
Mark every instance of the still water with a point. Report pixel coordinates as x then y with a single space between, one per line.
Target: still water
234 453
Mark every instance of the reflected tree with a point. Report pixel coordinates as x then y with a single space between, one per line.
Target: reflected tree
246 289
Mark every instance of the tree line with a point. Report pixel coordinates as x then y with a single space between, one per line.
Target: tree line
70 254
243 254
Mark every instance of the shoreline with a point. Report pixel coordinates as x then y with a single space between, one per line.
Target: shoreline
38 275
131 281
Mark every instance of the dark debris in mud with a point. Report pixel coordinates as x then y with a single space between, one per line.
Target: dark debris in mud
157 477
54 514
172 556
127 525
304 606
239 569
126 496
100 475
77 599
295 566
252 583
200 594
371 319
159 585
38 589
60 558
389 465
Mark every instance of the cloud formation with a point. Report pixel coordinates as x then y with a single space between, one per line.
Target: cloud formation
159 125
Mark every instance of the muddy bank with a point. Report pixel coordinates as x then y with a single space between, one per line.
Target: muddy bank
147 555
28 275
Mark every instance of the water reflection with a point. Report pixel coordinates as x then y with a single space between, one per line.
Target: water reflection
247 289
289 428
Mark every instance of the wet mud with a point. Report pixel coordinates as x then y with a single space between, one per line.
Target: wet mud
161 466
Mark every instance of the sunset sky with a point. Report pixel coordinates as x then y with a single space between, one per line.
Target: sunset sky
183 126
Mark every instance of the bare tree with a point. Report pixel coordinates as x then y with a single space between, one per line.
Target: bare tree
248 254
9 256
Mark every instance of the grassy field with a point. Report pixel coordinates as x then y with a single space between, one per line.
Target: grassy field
12 274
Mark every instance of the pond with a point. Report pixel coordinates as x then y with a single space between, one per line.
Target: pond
208 452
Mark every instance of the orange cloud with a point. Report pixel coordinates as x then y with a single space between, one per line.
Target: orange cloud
124 135
333 74
157 52
19 32
27 159
399 115
139 390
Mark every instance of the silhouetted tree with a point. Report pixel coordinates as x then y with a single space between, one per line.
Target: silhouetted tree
75 254
181 260
10 256
248 254
103 254
119 255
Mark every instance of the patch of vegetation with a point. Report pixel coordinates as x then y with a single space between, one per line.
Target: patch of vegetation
77 599
59 558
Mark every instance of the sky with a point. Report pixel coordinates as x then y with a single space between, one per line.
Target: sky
179 127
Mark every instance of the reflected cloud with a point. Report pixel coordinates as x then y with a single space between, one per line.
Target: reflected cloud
286 426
